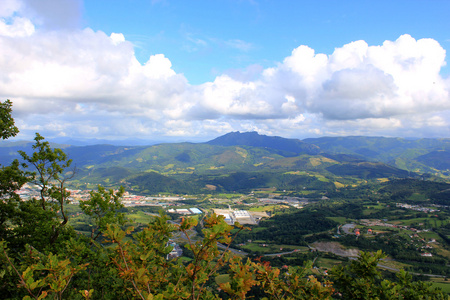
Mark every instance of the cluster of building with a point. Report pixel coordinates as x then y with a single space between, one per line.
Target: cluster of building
416 207
292 201
175 252
421 244
357 231
241 216
29 191
185 211
135 200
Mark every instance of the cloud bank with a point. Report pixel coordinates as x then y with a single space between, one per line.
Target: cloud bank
84 83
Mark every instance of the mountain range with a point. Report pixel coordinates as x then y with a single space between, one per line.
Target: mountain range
246 161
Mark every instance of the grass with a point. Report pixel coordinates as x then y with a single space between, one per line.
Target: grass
169 166
417 197
297 173
429 235
322 178
256 246
306 192
367 212
228 196
224 278
197 217
263 208
394 264
139 217
338 185
184 259
431 221
327 263
377 206
340 220
440 249
442 284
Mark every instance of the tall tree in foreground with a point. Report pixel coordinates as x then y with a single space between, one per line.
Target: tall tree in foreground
103 208
7 126
12 178
46 215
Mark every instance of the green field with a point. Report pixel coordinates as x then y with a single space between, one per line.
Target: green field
139 217
425 221
228 196
223 278
340 220
257 246
326 263
264 208
417 197
442 284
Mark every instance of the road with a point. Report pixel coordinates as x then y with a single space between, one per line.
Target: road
346 228
232 250
282 253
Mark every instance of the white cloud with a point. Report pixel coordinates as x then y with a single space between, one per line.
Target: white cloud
81 82
117 38
17 27
9 7
358 81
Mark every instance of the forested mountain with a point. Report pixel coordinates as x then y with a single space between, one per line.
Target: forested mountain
254 139
421 155
244 161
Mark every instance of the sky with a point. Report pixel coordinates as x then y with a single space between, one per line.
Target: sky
176 70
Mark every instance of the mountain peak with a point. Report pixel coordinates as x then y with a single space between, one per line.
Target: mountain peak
254 139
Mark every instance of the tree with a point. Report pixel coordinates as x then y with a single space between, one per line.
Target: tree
11 177
141 263
361 279
103 207
7 127
50 175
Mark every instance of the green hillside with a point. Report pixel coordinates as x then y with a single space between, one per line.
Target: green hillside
238 162
197 168
420 155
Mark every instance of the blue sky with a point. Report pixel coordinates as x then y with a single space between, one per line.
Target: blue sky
194 70
204 39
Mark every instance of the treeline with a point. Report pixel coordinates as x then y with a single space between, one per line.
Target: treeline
248 181
402 250
154 183
401 190
289 228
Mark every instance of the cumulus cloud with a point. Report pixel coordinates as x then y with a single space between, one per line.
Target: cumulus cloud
9 7
81 82
359 81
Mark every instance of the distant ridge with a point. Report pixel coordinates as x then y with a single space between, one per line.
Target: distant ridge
92 142
425 155
254 139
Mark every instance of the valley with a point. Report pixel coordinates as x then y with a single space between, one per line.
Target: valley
299 201
287 230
